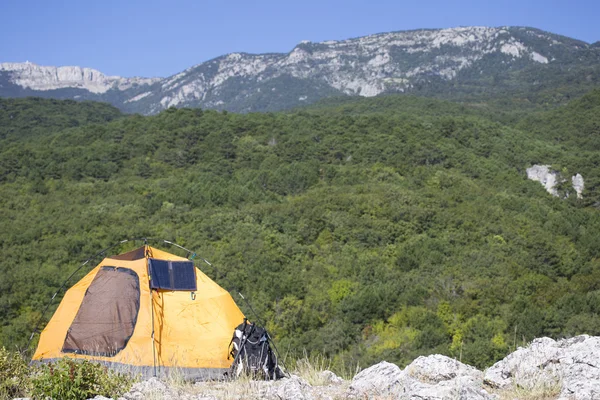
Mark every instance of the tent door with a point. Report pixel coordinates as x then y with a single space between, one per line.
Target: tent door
107 315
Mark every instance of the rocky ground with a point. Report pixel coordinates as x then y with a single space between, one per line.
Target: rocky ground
546 369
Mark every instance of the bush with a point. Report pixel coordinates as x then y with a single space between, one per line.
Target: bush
14 375
72 380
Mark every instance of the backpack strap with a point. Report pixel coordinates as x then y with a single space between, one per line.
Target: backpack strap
242 341
229 346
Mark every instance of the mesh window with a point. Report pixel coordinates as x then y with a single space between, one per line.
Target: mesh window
172 275
107 315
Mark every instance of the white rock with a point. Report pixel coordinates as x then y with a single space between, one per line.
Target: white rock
537 57
149 385
578 185
542 174
330 377
148 388
462 387
293 388
549 179
573 364
40 77
514 48
383 379
437 368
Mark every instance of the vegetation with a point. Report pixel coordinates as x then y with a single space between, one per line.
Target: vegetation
14 375
72 380
30 118
65 379
384 228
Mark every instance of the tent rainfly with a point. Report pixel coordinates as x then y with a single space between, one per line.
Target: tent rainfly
145 311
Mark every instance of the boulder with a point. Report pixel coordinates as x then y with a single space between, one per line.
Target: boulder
550 179
383 379
461 387
523 364
545 176
437 368
330 378
570 365
150 388
292 388
578 185
427 378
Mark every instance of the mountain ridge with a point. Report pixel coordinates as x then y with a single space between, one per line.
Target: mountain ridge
432 61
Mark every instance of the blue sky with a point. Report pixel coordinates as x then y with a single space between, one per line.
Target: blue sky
161 38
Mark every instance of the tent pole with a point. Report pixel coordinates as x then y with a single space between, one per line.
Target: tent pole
153 341
151 305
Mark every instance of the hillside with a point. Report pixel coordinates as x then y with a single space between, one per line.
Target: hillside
470 64
34 117
384 233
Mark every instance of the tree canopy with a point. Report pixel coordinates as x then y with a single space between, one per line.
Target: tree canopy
385 228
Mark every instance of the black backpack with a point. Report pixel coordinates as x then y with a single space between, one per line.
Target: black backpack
252 353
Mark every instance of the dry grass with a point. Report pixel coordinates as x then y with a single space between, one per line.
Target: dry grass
541 386
310 370
241 388
244 387
547 392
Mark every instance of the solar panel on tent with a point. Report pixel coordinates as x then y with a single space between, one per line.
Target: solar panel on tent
159 273
184 275
172 275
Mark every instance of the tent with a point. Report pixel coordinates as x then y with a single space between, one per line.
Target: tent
145 311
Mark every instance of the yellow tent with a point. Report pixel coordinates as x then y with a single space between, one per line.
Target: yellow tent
146 311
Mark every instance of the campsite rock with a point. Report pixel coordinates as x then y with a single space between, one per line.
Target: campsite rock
427 378
293 388
330 378
567 369
383 379
571 364
461 387
437 368
523 364
147 388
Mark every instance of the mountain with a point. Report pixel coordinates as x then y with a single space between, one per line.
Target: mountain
466 63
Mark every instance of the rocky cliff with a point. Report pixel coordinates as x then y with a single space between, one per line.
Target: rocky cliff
39 78
567 369
427 61
551 179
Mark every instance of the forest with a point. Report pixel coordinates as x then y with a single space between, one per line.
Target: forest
359 229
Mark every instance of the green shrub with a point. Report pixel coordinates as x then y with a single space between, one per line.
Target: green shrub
73 380
14 375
